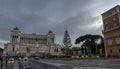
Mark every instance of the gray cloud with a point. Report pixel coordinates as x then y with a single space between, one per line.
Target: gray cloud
81 24
38 16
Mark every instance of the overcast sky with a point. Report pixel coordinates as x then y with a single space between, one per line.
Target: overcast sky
80 17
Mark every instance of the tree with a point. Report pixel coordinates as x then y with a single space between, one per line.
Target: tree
66 39
86 47
76 50
66 51
90 44
67 43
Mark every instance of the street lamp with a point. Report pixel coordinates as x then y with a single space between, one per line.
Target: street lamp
28 51
49 44
25 59
37 46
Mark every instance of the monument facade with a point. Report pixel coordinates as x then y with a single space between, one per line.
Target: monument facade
32 44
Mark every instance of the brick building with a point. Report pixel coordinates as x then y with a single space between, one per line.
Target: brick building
111 31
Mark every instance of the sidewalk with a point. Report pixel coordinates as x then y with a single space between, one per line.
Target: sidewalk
8 66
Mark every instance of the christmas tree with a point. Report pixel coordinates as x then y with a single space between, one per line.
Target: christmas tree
66 39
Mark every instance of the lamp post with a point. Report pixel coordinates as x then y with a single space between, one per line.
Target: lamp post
37 46
28 52
49 44
26 58
49 50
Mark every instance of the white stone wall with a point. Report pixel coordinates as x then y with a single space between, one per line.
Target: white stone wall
56 50
36 43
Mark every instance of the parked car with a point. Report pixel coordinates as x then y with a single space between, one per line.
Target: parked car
11 60
37 58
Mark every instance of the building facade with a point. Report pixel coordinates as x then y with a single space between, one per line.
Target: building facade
22 44
111 32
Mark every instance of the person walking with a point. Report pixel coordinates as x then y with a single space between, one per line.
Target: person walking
6 60
1 60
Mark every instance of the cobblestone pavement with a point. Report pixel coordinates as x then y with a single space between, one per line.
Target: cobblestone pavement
37 65
73 64
85 64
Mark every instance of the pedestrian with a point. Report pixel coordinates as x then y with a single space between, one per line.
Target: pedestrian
6 60
1 61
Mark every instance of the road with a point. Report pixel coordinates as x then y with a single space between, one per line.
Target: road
73 64
33 64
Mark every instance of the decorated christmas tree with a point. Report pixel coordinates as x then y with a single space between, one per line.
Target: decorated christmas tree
66 39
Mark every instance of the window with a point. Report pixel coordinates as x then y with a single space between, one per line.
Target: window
115 24
114 19
56 50
118 40
109 42
106 25
119 50
118 9
111 51
13 49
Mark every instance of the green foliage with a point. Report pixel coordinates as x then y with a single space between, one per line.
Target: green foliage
89 46
66 50
85 58
75 48
67 39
